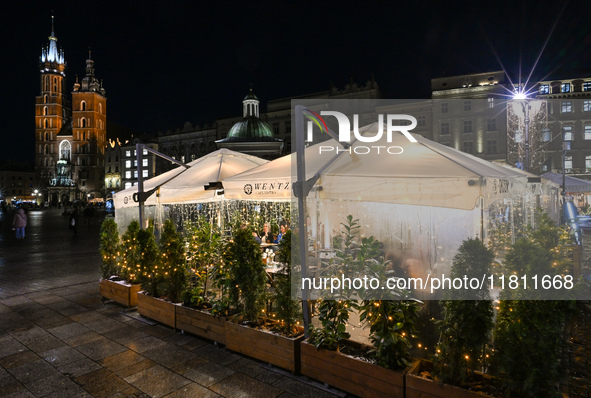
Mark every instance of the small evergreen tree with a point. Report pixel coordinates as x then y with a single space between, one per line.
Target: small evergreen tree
529 335
468 319
150 275
288 311
109 248
248 278
173 262
130 266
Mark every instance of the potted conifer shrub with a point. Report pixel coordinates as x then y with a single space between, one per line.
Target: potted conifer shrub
116 282
465 331
151 276
249 332
530 338
204 301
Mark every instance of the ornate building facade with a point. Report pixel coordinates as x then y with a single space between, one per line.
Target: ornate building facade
70 135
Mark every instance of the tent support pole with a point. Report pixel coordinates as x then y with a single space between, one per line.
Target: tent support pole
141 195
302 211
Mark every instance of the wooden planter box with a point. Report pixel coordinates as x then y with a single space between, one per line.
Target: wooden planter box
421 387
349 374
119 291
269 347
157 309
201 323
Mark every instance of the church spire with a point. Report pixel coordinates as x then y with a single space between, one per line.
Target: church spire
51 53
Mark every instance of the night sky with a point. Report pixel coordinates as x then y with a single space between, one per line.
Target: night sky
166 63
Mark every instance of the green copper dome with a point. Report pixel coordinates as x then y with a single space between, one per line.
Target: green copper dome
251 96
250 129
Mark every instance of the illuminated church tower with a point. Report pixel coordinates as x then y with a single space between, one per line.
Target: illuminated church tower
51 109
69 141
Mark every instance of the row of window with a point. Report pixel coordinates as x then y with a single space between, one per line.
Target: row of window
444 128
564 88
128 163
444 106
128 174
567 106
128 153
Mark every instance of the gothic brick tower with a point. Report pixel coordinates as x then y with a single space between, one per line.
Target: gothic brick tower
69 143
89 133
51 109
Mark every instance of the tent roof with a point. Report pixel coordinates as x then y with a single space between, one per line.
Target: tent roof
573 184
188 185
426 173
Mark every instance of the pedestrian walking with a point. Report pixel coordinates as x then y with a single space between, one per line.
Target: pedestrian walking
19 222
73 224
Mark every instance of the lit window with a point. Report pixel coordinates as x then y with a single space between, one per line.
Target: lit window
128 174
587 132
567 133
586 105
128 185
444 128
128 164
467 105
145 151
491 103
145 162
566 107
127 153
587 86
546 135
568 163
588 163
544 89
468 146
444 107
135 163
145 173
565 88
467 126
491 124
135 174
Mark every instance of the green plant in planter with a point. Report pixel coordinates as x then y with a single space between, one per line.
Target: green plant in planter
151 272
289 311
109 248
204 245
333 316
173 262
392 325
468 319
247 274
529 335
130 267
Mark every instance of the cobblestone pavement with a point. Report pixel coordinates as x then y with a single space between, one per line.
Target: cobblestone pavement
58 339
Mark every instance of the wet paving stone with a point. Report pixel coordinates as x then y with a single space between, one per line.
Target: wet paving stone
146 343
157 381
85 338
32 371
125 334
209 374
70 330
193 390
169 355
79 368
10 346
62 356
103 383
217 355
121 360
9 385
240 385
57 384
100 349
44 343
21 358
